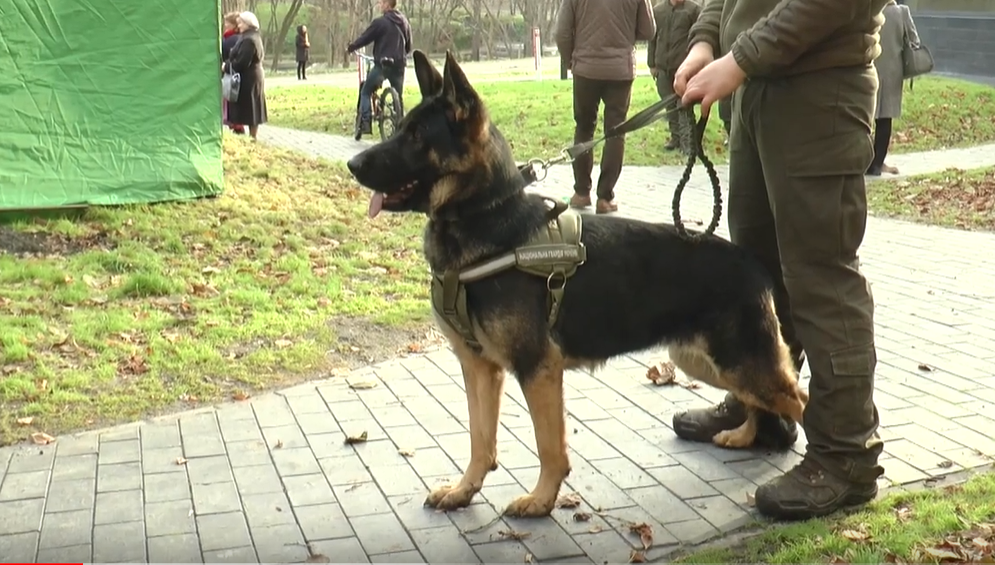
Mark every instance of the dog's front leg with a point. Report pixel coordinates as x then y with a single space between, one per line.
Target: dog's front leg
741 437
484 387
544 395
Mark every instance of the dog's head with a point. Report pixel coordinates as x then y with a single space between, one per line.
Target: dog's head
444 151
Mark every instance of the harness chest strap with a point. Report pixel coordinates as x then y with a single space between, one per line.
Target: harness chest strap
554 254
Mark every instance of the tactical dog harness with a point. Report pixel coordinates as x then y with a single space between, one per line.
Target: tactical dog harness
554 254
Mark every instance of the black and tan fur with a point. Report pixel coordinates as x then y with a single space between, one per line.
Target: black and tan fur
642 286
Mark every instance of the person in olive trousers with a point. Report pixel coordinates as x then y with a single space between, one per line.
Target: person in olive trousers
666 52
804 87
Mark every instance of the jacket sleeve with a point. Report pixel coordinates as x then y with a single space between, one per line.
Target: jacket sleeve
909 25
651 46
565 30
787 32
645 24
372 33
706 29
407 37
242 55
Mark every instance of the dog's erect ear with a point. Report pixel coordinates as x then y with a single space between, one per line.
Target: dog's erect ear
456 88
429 79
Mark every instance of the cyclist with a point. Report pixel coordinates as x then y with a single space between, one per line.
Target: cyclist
391 38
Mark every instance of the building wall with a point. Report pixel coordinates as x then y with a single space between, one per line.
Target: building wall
959 33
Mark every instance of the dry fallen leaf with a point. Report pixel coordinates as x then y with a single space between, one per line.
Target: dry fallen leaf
637 557
361 438
281 343
751 499
944 554
407 452
855 535
945 464
41 438
645 533
925 367
529 558
512 534
25 421
240 396
317 558
662 373
279 444
903 513
181 460
572 500
582 517
362 385
594 529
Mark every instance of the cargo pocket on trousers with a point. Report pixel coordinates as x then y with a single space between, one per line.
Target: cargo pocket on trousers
852 391
846 153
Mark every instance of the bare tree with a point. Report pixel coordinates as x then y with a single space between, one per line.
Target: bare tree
288 22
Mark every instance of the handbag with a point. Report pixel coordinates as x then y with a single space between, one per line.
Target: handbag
916 60
230 85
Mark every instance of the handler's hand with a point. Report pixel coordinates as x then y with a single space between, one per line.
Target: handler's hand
699 56
716 81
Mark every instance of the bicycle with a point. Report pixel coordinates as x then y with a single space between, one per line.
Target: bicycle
386 108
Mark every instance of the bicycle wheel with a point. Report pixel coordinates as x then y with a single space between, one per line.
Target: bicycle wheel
390 113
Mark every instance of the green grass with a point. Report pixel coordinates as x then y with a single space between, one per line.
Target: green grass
537 117
130 310
953 198
952 524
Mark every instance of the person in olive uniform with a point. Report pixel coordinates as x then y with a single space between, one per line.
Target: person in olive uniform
666 52
803 83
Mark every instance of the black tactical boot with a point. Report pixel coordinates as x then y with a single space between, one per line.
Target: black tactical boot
701 424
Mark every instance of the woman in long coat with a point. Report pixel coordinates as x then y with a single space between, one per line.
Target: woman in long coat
897 30
247 60
303 43
228 40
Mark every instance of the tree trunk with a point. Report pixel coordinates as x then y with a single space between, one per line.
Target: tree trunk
281 36
477 29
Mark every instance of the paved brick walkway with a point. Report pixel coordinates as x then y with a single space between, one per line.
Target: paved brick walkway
261 480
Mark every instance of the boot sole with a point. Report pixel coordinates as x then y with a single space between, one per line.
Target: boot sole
780 440
849 501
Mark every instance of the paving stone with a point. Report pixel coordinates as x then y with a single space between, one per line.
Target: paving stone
73 554
20 486
606 546
413 514
284 437
20 516
721 512
361 499
345 470
119 543
309 402
76 494
74 467
501 552
270 509
396 480
216 498
280 544
160 435
115 507
624 473
66 529
399 557
119 452
246 453
32 459
381 533
273 411
76 445
346 550
692 532
209 470
123 432
434 461
306 490
166 487
705 466
682 482
223 531
324 521
240 430
19 548
443 544
257 479
122 476
291 462
547 540
204 445
162 460
180 548
318 422
169 518
236 555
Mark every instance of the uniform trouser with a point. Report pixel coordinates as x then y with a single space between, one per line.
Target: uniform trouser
665 88
588 95
798 153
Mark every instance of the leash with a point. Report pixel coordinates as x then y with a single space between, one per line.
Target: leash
693 132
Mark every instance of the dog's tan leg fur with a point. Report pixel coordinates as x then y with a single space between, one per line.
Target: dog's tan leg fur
544 395
741 437
484 388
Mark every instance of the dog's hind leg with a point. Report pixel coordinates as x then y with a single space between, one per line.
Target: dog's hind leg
543 390
484 387
741 437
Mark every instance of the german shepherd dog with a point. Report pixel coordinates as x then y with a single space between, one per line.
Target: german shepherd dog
642 286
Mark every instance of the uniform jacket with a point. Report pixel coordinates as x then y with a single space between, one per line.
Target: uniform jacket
391 38
669 46
770 38
898 29
598 37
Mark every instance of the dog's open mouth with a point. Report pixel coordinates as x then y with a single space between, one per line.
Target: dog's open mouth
379 199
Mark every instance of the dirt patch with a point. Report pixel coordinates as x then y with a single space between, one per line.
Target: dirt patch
23 243
956 198
361 342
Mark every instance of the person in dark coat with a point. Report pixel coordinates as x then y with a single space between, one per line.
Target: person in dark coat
228 40
246 59
390 35
303 52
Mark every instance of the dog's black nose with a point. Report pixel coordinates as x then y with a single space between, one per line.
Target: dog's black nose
355 163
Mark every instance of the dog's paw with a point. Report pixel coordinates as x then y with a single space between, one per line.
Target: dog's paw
450 497
733 439
529 506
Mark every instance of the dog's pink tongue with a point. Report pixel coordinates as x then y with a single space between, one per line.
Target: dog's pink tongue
376 204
